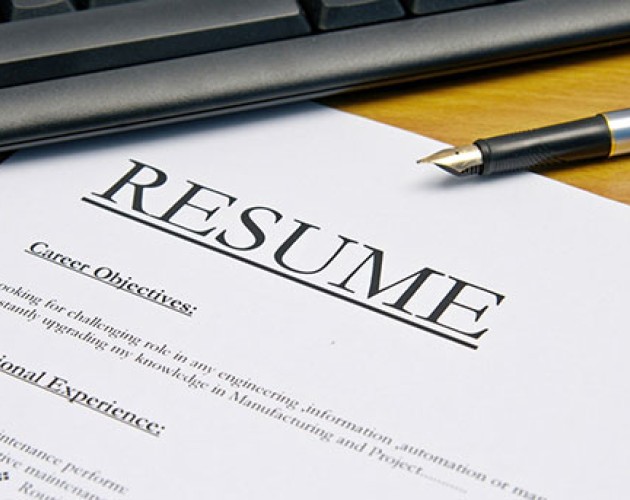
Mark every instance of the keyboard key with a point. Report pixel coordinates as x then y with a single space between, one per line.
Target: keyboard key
334 14
139 32
422 7
15 10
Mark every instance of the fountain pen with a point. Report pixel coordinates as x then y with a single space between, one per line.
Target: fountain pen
601 136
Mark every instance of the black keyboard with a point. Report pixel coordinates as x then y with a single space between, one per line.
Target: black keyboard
77 68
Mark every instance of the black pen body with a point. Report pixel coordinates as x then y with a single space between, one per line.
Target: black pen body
546 147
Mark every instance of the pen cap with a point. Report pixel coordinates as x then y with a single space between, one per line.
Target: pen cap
546 147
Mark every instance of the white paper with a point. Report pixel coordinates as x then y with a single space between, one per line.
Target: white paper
288 382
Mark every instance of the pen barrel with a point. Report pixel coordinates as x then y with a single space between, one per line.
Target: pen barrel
546 147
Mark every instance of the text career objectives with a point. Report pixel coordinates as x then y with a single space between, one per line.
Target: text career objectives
112 278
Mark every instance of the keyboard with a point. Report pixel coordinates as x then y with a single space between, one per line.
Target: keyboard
79 68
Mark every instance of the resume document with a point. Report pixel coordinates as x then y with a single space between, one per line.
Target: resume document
282 305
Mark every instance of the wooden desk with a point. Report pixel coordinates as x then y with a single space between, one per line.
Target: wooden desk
459 109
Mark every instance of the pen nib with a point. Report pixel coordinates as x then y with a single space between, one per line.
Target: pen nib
463 160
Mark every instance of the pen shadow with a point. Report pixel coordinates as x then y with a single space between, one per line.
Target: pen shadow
453 182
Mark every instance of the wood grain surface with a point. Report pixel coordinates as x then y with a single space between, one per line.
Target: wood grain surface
460 109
